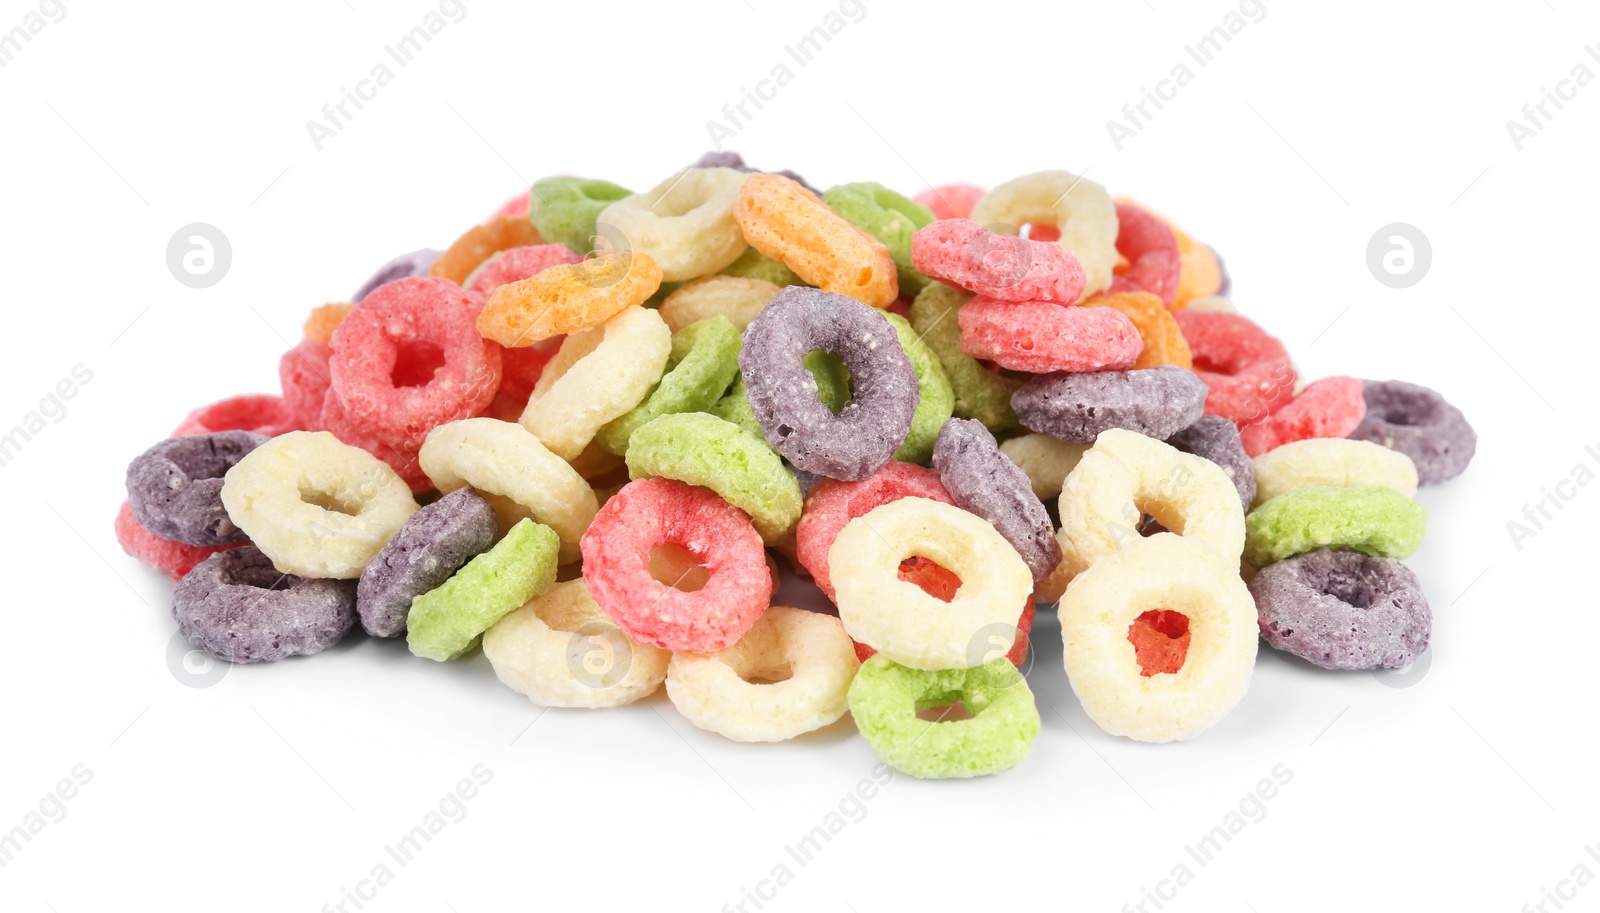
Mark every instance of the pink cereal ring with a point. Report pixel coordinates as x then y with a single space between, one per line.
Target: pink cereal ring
650 513
258 412
517 207
1330 407
515 265
1040 337
1152 253
303 375
174 559
1247 372
337 421
426 312
964 253
951 201
833 503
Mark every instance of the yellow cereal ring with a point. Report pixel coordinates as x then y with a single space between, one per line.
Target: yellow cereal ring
685 223
1331 462
480 242
560 650
598 375
789 224
1211 303
733 297
1045 459
901 621
314 505
1163 340
1175 573
568 298
324 319
789 674
519 477
1080 209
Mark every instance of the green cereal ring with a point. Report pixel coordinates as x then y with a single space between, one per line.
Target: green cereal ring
1371 519
704 361
886 697
447 622
704 450
753 264
980 393
564 209
833 389
935 399
887 216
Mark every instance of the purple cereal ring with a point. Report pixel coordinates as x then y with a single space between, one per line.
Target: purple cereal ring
1214 438
783 393
1156 402
404 266
1225 283
428 549
1419 423
735 161
175 487
1343 610
236 606
984 481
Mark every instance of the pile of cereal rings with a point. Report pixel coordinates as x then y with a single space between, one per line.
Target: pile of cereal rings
578 437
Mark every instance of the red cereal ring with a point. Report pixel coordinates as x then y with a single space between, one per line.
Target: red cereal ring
832 503
963 253
336 420
258 412
517 207
940 583
1042 337
303 375
371 344
1247 372
174 559
1152 253
1330 407
951 201
515 265
649 513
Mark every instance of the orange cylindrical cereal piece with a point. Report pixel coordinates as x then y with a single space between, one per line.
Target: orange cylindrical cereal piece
788 223
324 319
568 298
480 242
1163 340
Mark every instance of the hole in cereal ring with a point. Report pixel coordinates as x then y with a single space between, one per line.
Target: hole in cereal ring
329 502
944 713
936 581
677 567
416 362
1160 639
768 675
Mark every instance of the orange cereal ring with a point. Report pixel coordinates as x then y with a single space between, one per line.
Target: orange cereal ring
786 222
480 242
568 297
324 319
1163 340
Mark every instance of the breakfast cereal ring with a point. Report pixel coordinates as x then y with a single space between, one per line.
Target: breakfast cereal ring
1151 250
564 209
753 264
1045 459
515 265
1163 340
886 698
833 391
788 223
518 475
560 650
979 392
479 243
175 486
325 318
704 450
1209 304
1343 610
236 606
899 619
1158 402
735 298
704 360
1200 272
520 370
789 674
303 376
1126 476
404 266
337 422
1419 423
599 375
1002 267
447 621
649 513
1328 408
1165 573
862 437
685 223
1332 463
887 216
517 206
432 545
1214 438
368 346
1248 373
832 504
941 584
935 400
983 481
1371 519
951 201
1080 209
568 298
259 413
174 559
1040 337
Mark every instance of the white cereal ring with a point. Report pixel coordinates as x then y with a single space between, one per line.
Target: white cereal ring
899 619
519 477
1079 208
1212 303
1175 573
314 505
685 223
1126 475
598 375
1332 462
789 674
734 297
560 650
1045 459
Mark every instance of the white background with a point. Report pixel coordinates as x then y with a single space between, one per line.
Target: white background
279 786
